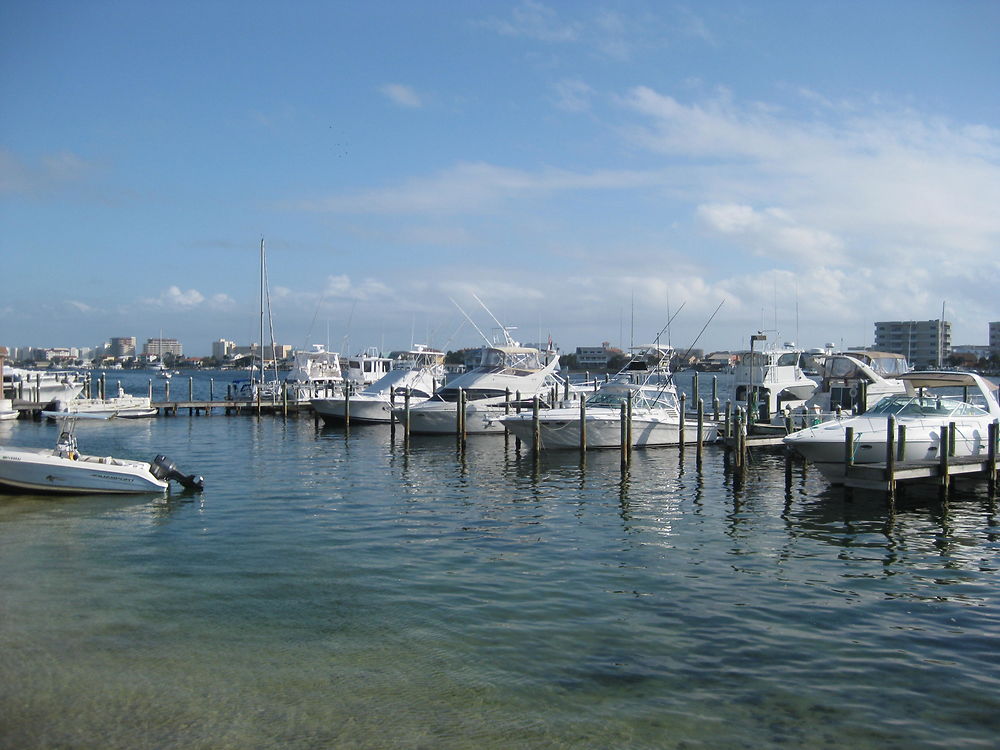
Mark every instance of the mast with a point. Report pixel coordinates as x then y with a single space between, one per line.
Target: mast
261 339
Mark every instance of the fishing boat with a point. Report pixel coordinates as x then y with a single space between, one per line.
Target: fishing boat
768 381
656 419
41 386
314 374
419 372
504 371
933 399
65 470
366 368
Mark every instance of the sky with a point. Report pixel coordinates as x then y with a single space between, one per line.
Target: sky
589 170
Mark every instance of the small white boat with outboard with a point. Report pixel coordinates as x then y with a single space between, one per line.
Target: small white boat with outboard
933 399
646 381
65 470
419 371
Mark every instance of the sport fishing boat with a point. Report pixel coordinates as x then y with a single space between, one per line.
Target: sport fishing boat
933 399
41 386
503 372
421 371
314 374
366 368
768 381
65 470
646 381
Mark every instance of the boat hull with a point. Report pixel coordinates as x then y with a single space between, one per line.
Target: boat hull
559 429
442 419
363 409
45 471
824 444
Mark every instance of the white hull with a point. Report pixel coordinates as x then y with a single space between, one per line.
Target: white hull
122 407
44 470
441 418
363 409
559 429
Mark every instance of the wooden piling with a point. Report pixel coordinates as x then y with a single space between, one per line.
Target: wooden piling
890 457
166 391
701 427
583 427
715 397
536 434
680 428
943 454
901 443
150 389
347 406
952 432
991 455
406 414
623 429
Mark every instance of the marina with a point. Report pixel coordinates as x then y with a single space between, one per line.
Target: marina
337 586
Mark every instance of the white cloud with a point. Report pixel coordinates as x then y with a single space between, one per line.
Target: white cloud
573 95
341 287
50 172
536 21
474 188
772 232
401 95
173 298
81 307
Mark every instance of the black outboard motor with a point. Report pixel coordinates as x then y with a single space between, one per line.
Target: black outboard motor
163 468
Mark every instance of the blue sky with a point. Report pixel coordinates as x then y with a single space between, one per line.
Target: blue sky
577 165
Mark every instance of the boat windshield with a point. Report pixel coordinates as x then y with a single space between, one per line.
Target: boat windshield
523 359
926 406
613 398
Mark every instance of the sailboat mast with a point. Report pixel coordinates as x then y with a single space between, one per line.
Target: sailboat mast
261 339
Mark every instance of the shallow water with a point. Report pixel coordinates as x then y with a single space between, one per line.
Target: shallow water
333 589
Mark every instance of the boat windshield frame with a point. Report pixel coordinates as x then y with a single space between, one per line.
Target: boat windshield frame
925 407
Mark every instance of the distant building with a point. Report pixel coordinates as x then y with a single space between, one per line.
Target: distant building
924 343
280 351
596 357
222 349
978 351
995 338
122 346
159 347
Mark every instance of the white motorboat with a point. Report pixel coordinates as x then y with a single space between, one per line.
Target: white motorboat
122 406
420 371
504 371
7 410
65 470
768 381
656 418
851 383
366 368
933 399
314 374
41 386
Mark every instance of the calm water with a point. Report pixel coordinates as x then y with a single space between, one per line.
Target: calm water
331 589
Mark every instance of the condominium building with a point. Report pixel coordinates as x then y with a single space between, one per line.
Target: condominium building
925 343
122 346
159 347
995 338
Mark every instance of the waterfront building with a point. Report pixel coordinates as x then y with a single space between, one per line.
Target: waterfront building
222 348
995 338
596 357
924 343
122 346
159 347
